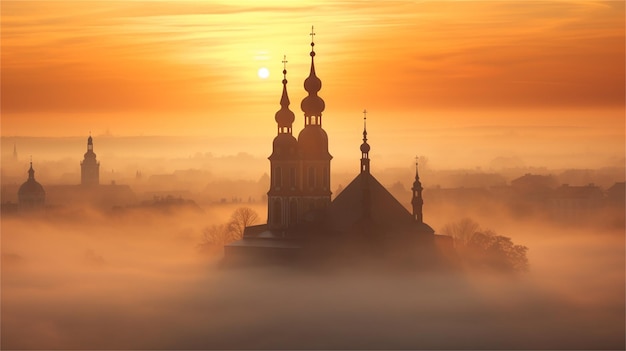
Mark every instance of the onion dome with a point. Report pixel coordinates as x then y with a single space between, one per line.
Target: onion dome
313 142
312 105
365 147
285 146
417 184
284 117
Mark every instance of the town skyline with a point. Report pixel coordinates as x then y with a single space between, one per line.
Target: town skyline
159 192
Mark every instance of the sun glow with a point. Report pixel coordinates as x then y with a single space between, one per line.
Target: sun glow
263 73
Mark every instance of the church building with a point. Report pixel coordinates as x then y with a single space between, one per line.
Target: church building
364 220
31 194
89 167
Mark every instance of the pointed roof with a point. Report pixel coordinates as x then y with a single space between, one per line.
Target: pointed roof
31 172
365 147
346 211
284 117
416 184
312 105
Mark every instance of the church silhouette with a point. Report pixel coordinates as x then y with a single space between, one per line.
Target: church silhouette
303 225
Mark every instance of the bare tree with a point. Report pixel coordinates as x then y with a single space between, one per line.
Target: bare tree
461 230
486 247
216 235
240 219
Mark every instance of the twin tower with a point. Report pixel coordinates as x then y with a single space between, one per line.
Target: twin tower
300 168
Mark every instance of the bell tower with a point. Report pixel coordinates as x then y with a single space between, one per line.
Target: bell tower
90 167
313 148
282 200
365 147
417 200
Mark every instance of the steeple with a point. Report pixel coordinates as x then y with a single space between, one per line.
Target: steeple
31 171
14 152
89 143
365 147
417 200
282 209
90 167
284 117
312 105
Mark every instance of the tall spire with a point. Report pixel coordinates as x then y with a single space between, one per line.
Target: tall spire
90 167
417 200
31 171
312 105
89 143
284 117
365 147
14 151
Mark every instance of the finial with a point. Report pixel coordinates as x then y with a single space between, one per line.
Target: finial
364 125
417 177
284 117
312 34
31 160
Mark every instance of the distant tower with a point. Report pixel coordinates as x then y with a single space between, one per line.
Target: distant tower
282 198
31 194
365 147
90 168
14 152
365 171
313 147
417 200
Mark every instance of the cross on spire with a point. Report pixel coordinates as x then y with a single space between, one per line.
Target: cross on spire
364 125
284 61
312 34
416 158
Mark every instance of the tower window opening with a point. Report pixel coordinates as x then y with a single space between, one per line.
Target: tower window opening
277 215
292 177
293 212
277 177
325 178
311 177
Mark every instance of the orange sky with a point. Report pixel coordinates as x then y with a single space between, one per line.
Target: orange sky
178 68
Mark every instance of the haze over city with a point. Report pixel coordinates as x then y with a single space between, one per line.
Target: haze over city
135 138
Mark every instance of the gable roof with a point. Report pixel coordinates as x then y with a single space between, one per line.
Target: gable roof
385 211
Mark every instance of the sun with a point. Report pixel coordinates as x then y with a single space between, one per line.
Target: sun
263 73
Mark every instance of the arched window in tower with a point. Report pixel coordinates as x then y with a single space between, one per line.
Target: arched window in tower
278 177
311 177
293 212
292 177
277 212
325 178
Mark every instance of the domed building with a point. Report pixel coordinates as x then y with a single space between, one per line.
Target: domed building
31 194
